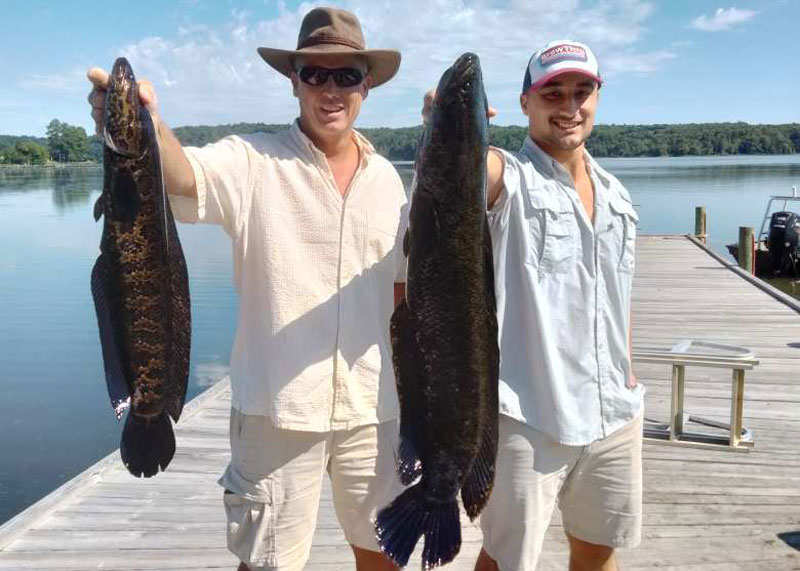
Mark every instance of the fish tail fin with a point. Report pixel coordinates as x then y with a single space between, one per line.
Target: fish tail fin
400 525
147 444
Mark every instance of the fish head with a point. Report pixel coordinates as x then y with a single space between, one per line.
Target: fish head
457 132
122 112
460 96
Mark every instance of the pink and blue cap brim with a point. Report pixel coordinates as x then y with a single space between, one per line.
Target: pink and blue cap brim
553 74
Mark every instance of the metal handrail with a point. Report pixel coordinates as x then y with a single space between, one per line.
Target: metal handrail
786 200
737 363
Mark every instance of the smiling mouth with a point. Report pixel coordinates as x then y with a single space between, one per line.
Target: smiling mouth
566 125
332 108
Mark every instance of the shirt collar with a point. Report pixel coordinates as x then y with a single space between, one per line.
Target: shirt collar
597 170
365 148
548 166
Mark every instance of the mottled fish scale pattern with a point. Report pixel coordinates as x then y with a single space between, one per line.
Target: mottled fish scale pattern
444 333
140 283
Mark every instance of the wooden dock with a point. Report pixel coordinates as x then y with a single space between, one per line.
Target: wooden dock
704 510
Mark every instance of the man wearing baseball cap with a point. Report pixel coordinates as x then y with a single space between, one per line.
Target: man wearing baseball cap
563 232
314 214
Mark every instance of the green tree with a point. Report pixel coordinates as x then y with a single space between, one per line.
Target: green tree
67 143
24 153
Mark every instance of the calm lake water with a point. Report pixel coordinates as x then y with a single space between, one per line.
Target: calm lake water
55 417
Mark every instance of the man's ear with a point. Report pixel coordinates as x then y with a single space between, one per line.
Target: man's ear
295 81
523 103
365 85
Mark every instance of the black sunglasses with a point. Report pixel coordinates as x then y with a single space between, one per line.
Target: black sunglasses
342 76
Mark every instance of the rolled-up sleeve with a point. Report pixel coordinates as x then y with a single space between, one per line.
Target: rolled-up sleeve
399 256
498 214
223 176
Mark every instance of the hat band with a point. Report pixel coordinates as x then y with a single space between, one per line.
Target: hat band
320 39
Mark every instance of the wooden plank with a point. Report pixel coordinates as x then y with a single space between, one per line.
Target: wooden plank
704 510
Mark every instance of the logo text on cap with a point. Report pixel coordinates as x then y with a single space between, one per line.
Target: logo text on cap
563 52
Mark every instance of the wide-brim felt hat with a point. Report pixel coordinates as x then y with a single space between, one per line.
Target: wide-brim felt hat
329 32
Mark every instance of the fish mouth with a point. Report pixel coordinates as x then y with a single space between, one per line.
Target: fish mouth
466 68
122 72
460 81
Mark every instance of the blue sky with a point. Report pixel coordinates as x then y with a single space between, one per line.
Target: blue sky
664 61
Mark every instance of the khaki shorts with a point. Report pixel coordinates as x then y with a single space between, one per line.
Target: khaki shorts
273 484
597 487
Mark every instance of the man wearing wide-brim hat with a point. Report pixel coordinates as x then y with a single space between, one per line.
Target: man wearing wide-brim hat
314 215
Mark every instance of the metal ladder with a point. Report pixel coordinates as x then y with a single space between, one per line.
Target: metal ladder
689 352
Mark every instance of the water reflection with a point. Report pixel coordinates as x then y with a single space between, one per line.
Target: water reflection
55 418
55 415
71 187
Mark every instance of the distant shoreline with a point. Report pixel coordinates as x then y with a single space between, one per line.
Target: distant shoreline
606 141
52 166
90 165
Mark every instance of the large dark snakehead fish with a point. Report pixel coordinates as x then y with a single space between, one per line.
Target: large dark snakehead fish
444 333
140 284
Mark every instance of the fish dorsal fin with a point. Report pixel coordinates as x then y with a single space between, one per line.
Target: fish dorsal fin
164 202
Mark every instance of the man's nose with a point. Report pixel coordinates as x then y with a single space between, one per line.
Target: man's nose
571 104
330 84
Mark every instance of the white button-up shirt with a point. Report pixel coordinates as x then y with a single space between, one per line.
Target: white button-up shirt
563 299
314 271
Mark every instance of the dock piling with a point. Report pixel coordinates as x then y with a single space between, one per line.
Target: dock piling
700 223
747 249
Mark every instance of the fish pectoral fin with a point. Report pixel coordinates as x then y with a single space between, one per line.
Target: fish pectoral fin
407 363
103 294
125 201
99 206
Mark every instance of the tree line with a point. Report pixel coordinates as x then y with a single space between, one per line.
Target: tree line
68 143
63 143
400 144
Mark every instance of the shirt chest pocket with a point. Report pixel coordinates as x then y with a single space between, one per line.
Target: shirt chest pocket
381 235
553 234
621 236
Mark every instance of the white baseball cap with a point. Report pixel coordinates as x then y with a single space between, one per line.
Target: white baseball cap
557 57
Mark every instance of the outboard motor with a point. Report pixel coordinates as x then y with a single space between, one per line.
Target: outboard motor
783 243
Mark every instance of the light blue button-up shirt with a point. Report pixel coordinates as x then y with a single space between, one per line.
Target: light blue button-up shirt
563 289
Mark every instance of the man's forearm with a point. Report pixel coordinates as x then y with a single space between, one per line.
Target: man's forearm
178 173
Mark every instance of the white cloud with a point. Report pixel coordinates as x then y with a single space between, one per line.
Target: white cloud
639 63
207 74
722 19
73 81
